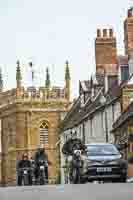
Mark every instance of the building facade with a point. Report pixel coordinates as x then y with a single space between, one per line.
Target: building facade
91 119
123 126
103 100
30 117
128 33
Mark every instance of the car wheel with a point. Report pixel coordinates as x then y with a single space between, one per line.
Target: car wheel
123 180
90 181
120 180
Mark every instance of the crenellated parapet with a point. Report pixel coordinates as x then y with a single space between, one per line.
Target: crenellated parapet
32 94
43 93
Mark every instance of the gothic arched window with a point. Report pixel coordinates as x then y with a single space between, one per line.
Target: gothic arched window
43 133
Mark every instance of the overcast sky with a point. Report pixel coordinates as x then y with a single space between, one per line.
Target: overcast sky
51 31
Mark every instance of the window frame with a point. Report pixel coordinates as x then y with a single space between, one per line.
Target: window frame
44 133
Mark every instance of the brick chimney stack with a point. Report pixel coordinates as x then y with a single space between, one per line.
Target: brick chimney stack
105 51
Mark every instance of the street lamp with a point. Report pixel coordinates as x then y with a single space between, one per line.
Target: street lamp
103 101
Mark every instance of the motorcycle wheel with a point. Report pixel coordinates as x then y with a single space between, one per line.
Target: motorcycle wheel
42 178
25 180
74 176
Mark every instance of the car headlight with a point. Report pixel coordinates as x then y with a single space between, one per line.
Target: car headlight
93 162
121 163
114 162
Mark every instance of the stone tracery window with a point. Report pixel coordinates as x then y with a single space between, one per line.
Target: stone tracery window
44 133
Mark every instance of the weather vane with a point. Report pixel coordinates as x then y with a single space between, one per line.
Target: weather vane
32 72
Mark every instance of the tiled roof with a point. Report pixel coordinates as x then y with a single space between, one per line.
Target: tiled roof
98 81
77 114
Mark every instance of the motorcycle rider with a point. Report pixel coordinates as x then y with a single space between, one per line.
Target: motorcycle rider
78 161
41 155
24 163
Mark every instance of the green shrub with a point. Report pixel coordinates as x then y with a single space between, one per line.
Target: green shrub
58 179
130 154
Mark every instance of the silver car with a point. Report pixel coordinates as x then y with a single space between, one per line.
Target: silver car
105 163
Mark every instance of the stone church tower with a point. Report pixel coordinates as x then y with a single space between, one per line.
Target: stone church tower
30 117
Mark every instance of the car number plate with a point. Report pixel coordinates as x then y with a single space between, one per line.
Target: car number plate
104 169
25 171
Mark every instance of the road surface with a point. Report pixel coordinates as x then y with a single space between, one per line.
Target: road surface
69 192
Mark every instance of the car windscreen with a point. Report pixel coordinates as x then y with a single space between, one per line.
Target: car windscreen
101 150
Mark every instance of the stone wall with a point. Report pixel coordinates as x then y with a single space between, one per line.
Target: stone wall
21 133
8 148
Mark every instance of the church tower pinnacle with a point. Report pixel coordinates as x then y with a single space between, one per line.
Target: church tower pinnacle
47 81
67 81
18 75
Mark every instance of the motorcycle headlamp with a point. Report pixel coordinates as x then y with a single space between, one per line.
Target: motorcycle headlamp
77 152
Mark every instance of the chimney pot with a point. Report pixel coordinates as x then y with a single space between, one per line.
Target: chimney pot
104 32
130 12
98 33
110 32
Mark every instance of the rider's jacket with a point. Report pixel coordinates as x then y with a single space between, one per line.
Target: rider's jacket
24 164
39 156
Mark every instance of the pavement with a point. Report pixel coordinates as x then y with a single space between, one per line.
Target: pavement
123 191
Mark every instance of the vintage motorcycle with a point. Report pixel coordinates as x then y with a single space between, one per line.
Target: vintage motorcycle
25 174
75 167
72 150
42 176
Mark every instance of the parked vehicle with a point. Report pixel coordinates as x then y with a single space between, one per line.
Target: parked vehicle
105 163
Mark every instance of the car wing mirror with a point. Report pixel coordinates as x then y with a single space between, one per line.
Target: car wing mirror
122 155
